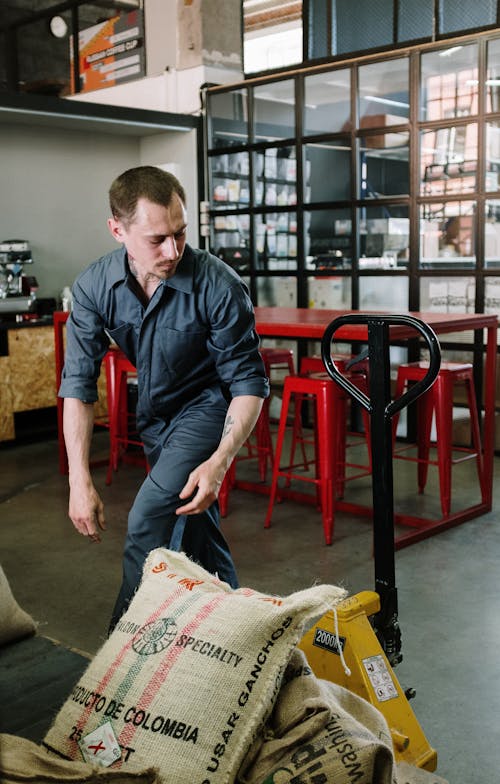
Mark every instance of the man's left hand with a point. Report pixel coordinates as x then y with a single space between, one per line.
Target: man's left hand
202 487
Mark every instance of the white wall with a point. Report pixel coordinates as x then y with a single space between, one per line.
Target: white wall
176 91
177 151
54 186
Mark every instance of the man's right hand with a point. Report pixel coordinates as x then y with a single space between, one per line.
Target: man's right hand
85 506
86 511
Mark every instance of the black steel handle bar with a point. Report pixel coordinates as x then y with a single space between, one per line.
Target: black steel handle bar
377 318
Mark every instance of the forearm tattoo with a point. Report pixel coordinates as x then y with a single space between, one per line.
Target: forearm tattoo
228 426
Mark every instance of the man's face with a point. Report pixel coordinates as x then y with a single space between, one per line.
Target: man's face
156 239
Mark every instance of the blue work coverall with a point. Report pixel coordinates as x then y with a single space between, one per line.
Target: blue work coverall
194 347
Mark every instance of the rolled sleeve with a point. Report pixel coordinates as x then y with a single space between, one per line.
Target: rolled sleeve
234 344
86 344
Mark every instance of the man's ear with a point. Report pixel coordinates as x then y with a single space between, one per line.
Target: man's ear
116 229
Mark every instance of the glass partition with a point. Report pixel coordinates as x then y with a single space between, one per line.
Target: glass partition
276 177
274 111
492 173
381 292
447 295
492 296
384 93
229 181
448 160
449 83
492 234
277 292
383 165
447 235
228 233
493 77
228 113
276 240
327 171
327 102
329 292
328 239
310 185
384 237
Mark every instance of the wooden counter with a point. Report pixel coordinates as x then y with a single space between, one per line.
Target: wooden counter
28 373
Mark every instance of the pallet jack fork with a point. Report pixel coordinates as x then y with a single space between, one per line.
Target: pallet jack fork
358 644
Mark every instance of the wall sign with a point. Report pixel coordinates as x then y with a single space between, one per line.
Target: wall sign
110 53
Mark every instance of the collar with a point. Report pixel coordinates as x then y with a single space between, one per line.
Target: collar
183 280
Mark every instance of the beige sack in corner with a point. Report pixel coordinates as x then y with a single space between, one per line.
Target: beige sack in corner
15 623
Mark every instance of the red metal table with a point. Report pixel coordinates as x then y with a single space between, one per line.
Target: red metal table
279 322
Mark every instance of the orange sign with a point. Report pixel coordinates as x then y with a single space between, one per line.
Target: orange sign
110 53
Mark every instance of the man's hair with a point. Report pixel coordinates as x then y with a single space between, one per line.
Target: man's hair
148 182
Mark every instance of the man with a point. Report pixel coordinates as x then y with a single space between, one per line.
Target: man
186 322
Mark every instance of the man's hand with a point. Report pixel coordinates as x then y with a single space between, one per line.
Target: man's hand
86 511
204 481
85 507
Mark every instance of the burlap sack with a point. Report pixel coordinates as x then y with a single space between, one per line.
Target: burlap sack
22 760
190 673
320 732
15 623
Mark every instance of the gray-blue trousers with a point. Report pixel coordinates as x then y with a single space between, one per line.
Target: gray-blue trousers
191 437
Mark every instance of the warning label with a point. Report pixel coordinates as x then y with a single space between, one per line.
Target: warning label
380 678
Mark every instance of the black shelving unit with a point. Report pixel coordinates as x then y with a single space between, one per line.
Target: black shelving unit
387 193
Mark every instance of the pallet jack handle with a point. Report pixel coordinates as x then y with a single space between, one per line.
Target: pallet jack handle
381 410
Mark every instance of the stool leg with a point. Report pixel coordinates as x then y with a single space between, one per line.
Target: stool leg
264 442
227 484
476 438
339 442
224 493
426 405
274 492
297 433
444 422
400 388
327 463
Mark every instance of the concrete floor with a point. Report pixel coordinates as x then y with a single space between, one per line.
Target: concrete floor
447 585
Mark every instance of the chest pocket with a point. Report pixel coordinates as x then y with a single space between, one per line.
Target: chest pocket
182 350
125 338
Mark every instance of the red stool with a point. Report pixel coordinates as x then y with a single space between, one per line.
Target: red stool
259 446
121 433
278 358
330 403
358 373
438 400
282 359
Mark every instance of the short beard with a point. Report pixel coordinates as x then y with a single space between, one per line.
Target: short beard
134 272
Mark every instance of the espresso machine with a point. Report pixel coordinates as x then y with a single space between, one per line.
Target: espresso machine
17 289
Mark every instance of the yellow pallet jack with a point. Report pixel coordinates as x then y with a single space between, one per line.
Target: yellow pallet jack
358 644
